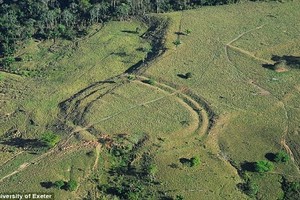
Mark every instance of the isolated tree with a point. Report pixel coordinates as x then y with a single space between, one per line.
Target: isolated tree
59 184
188 31
177 42
188 75
50 139
250 188
152 169
281 156
195 161
71 185
137 30
263 166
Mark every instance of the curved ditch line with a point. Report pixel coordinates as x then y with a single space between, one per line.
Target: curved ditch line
157 27
199 108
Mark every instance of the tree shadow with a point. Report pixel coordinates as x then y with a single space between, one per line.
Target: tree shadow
182 76
248 166
129 31
270 156
179 33
288 60
46 184
269 66
185 161
24 143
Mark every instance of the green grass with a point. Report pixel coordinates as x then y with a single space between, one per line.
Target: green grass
253 104
256 118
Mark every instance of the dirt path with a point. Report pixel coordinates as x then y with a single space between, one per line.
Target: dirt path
98 150
263 91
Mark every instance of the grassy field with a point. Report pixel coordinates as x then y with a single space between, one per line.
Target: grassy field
225 52
232 111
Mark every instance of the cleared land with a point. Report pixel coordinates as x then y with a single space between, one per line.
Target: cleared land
233 110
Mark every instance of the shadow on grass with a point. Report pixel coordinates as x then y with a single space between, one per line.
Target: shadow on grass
185 161
24 143
270 156
290 61
179 33
248 166
182 76
129 31
46 184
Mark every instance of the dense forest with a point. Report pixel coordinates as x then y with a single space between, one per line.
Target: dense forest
45 19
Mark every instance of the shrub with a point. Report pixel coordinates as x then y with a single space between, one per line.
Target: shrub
188 75
179 197
250 188
281 156
59 184
177 42
50 139
263 166
131 77
152 169
195 161
71 185
188 31
138 30
7 61
149 81
291 190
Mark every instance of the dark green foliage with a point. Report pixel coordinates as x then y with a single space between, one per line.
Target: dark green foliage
188 75
177 42
149 81
7 61
20 20
281 156
152 169
291 190
71 185
195 161
50 139
188 31
59 184
179 197
138 30
263 166
128 181
250 188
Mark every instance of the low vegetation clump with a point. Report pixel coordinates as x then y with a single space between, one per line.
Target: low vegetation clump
188 75
131 77
72 185
149 81
281 156
63 185
152 169
195 161
59 184
291 190
50 139
188 31
263 166
177 42
250 188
